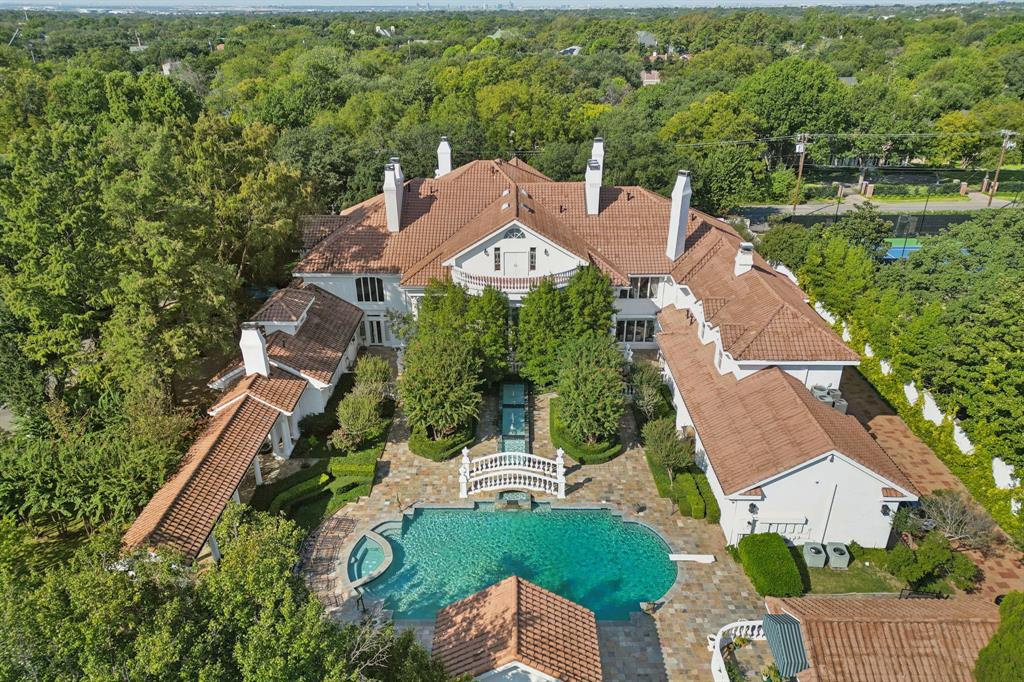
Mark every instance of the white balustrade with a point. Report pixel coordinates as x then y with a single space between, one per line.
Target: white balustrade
512 285
512 470
748 629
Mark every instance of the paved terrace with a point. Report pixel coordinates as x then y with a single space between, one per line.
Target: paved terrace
671 645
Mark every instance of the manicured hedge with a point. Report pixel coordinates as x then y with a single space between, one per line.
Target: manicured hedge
440 450
770 565
714 512
661 478
686 487
583 453
265 494
299 491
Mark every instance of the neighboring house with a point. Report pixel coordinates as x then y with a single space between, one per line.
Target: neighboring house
740 346
650 77
294 350
515 631
879 639
571 51
646 38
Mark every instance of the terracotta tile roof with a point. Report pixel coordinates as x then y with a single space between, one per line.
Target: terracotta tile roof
285 305
891 492
280 390
316 349
763 312
515 620
881 639
763 424
183 512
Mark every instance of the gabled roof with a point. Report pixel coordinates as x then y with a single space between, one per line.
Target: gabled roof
285 305
517 621
764 424
881 639
316 349
281 390
762 314
182 514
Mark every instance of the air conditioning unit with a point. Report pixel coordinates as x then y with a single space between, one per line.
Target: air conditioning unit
818 390
840 404
826 398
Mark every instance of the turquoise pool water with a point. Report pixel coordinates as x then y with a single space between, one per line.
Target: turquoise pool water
513 393
365 558
590 557
515 427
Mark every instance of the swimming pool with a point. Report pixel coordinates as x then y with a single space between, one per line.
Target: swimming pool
365 558
589 556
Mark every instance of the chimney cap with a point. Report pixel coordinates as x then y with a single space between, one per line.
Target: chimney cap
444 138
251 325
683 173
746 247
393 159
598 139
594 164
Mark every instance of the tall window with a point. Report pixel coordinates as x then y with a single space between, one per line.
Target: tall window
640 287
634 331
497 259
370 289
533 257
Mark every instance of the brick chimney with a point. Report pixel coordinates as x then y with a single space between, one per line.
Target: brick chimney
679 216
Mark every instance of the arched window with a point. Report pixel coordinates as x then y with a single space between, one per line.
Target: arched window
514 233
370 289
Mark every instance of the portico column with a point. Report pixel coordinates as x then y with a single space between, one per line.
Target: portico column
276 440
256 470
214 549
235 497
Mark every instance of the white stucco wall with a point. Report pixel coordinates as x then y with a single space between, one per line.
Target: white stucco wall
344 287
828 500
515 672
551 258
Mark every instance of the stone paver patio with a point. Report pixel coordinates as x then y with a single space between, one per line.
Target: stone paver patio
1002 568
670 645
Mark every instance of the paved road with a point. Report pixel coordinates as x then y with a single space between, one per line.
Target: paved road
977 201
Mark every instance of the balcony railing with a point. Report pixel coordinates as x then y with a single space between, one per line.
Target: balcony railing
510 285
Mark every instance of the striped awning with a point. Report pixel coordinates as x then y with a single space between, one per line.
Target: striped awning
787 644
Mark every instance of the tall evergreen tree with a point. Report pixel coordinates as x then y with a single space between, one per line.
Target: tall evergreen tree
541 333
589 302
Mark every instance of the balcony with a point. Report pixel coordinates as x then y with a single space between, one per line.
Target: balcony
510 285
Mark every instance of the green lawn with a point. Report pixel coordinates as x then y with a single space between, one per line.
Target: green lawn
905 199
865 575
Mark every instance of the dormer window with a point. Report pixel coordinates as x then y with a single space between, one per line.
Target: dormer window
514 233
369 290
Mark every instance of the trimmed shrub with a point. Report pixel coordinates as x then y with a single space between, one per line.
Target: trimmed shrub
359 420
373 376
307 488
683 505
339 467
714 512
686 487
662 481
1003 656
265 494
584 453
445 448
770 566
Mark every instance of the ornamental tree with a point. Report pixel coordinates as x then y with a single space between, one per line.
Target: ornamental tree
590 387
487 323
440 387
541 334
662 441
589 302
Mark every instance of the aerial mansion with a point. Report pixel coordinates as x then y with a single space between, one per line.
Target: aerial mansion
745 355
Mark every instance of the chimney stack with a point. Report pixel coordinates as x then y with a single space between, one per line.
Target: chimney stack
444 158
744 259
593 187
394 188
254 350
679 216
597 151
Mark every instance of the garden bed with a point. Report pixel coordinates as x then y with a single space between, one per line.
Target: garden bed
445 448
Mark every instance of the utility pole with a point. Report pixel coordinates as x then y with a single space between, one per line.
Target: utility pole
801 149
1007 144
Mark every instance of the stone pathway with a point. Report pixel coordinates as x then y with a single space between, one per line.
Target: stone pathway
670 645
1002 568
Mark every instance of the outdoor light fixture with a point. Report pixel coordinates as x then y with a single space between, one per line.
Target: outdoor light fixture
886 510
752 508
485 252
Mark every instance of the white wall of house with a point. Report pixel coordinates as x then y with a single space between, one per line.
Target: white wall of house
515 672
551 258
344 286
831 499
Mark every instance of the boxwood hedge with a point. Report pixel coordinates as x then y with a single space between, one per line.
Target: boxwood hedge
770 565
584 453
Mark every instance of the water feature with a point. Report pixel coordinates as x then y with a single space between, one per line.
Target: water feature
515 417
366 557
589 556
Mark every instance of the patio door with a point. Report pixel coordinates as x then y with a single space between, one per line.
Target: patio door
515 264
373 331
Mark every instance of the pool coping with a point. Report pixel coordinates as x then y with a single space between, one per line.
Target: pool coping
389 556
346 585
